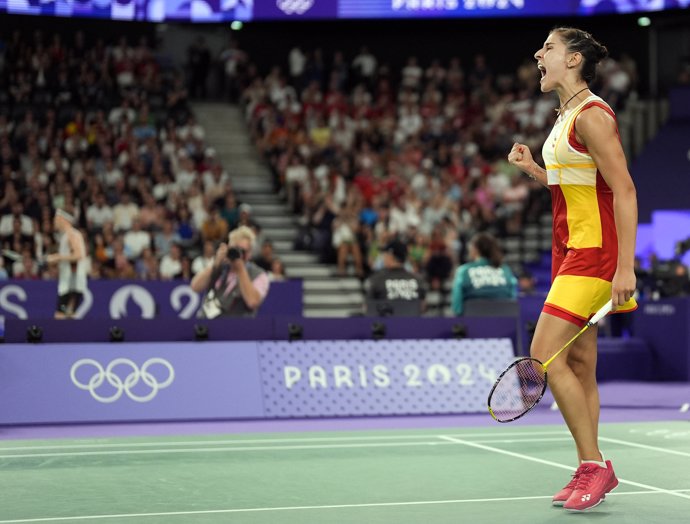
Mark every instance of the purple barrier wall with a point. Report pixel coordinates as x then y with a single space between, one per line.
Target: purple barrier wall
665 326
388 377
61 383
128 382
260 328
126 299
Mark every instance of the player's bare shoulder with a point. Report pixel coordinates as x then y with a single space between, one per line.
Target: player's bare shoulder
595 123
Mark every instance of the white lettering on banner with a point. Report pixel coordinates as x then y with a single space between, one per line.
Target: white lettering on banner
291 376
9 307
362 376
139 295
487 373
317 377
118 384
406 289
176 301
485 276
452 5
662 310
294 7
416 5
343 376
381 377
414 376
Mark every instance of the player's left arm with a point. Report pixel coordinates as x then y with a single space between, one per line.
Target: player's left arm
597 130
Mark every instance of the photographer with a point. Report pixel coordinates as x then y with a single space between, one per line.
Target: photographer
234 286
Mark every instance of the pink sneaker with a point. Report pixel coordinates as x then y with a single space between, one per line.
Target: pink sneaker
560 498
593 483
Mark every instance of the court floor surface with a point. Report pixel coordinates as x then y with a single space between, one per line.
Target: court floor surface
501 473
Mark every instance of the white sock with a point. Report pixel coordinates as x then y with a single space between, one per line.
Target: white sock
600 464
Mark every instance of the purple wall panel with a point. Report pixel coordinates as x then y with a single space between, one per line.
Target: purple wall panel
128 382
387 377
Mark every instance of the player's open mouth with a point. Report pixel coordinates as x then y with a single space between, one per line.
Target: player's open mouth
542 70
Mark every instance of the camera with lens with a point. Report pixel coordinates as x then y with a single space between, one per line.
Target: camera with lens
235 253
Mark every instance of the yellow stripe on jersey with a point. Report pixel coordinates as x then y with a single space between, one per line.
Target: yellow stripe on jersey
563 166
582 296
583 213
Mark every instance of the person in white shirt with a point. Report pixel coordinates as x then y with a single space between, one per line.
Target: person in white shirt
98 213
205 259
136 239
124 213
171 264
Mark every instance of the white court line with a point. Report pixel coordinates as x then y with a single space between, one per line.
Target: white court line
555 464
275 440
217 450
645 446
303 508
266 448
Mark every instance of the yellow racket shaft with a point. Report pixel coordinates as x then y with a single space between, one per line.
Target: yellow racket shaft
605 309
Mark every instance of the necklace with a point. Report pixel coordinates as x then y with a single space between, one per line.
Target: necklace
560 109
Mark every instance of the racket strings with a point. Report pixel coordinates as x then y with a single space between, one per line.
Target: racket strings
518 390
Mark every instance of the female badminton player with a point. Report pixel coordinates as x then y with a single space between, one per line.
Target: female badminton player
594 226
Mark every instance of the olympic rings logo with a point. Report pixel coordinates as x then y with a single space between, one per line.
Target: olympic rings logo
292 7
125 385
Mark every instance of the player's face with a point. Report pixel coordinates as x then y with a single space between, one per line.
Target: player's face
551 61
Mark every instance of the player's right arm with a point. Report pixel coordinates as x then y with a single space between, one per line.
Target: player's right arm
521 156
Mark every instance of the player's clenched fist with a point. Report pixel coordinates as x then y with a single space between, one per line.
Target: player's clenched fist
521 156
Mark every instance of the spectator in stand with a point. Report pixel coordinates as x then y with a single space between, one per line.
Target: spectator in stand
136 239
205 259
277 273
165 239
124 212
364 66
266 256
8 223
345 241
98 213
214 228
171 264
485 276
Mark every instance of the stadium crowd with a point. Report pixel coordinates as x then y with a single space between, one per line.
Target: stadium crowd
105 133
365 154
362 153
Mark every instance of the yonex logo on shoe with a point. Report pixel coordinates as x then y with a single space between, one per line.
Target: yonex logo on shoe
586 497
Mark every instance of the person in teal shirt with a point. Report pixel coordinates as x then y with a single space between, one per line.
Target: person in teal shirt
485 277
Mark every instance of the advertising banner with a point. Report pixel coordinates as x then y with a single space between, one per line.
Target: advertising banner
205 11
386 377
72 383
132 299
128 382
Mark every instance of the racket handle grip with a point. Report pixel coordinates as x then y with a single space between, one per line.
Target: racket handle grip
606 308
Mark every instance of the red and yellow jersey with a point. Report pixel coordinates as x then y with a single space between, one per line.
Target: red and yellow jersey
585 244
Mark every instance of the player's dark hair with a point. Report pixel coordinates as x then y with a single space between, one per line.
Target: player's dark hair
487 247
579 41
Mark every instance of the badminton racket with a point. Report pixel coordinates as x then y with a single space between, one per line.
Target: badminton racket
522 385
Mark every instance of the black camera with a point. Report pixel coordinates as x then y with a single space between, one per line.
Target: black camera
235 253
